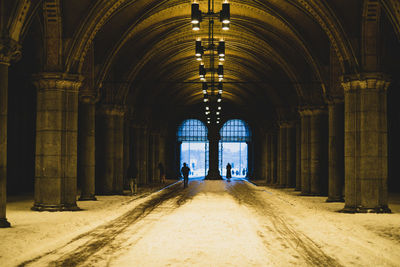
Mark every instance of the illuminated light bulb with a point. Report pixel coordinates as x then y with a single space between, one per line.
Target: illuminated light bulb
199 58
202 79
220 92
205 92
221 59
217 113
221 79
219 108
196 27
225 26
219 100
207 108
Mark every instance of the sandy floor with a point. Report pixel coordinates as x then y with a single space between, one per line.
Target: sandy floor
212 223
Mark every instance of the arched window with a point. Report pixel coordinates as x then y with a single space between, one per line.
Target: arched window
192 134
192 130
233 148
235 131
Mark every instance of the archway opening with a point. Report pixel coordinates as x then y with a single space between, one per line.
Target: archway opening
192 137
234 148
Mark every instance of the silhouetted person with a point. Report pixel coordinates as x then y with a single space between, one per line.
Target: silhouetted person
185 172
132 174
228 171
162 172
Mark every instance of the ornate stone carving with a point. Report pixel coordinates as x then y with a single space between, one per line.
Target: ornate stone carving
10 51
113 110
58 81
378 81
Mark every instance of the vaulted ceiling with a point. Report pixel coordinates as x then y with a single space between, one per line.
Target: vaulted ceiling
278 52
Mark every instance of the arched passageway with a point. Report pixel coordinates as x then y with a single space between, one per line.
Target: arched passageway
234 148
193 147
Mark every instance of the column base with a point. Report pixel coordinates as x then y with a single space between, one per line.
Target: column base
61 207
381 209
110 193
335 199
4 223
87 198
310 194
213 175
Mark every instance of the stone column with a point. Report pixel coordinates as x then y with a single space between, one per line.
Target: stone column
305 151
268 179
105 151
109 167
3 142
178 148
143 150
318 152
366 143
56 142
213 139
336 150
298 156
282 176
86 147
9 51
118 165
291 155
274 159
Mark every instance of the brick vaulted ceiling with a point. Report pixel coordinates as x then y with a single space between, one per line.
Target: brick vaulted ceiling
278 51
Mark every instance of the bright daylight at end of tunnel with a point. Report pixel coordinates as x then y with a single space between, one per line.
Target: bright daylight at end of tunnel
199 133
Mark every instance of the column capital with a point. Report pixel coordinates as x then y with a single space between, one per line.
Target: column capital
10 51
333 100
88 99
287 123
311 110
57 81
376 80
113 110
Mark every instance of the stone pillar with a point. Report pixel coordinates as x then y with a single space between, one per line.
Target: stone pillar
105 151
318 152
3 142
282 176
213 139
9 51
291 155
109 167
366 143
298 156
56 142
268 177
86 147
305 152
118 165
336 150
178 148
143 150
274 158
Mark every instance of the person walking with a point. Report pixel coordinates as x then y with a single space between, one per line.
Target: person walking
132 173
185 172
228 171
162 172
